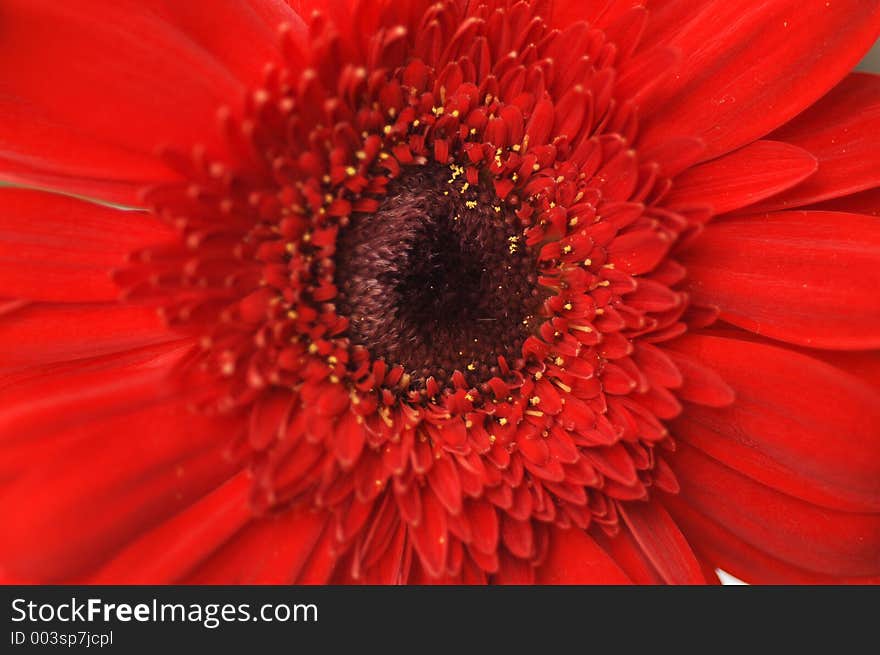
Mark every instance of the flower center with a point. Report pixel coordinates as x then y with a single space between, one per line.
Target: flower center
438 279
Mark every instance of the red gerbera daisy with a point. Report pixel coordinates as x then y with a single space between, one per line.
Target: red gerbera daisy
427 291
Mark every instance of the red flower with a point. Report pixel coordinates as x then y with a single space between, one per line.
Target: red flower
429 292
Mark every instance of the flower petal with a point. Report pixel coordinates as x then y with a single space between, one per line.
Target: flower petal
730 553
61 249
798 425
748 67
172 549
742 177
92 487
575 558
808 278
662 542
132 76
799 533
44 333
841 131
284 543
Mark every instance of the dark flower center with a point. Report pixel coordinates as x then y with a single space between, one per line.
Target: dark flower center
438 279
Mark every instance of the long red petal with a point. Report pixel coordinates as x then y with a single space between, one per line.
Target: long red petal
132 76
168 552
743 177
748 563
61 249
575 558
662 542
271 550
817 539
749 67
798 425
809 278
841 131
88 490
41 334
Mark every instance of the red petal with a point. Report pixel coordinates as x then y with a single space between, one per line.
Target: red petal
796 532
168 552
89 92
629 556
430 536
42 334
732 554
841 131
518 536
61 249
701 384
798 425
864 202
445 483
91 488
743 177
575 558
638 251
808 278
749 67
484 526
284 543
44 400
662 542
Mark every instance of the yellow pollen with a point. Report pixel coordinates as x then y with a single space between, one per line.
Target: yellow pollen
534 400
334 379
502 421
292 314
559 361
471 367
566 250
387 129
567 306
491 438
351 171
313 348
